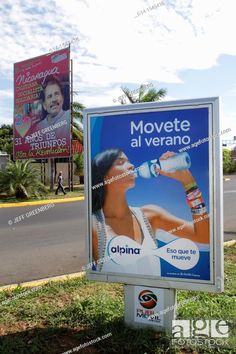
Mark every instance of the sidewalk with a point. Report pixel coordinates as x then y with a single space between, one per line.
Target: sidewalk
72 196
37 202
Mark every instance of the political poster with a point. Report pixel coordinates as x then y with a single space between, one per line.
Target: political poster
151 215
42 116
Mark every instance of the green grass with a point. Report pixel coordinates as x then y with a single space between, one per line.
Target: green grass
77 192
60 316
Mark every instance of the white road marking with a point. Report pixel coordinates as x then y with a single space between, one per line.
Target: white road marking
233 191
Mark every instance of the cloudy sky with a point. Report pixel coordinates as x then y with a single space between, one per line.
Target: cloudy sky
185 46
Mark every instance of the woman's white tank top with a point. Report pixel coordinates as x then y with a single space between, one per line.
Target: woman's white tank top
121 254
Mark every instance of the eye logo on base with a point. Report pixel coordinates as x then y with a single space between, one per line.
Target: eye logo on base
147 299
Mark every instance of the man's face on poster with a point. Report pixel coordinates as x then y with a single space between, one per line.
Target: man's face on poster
53 99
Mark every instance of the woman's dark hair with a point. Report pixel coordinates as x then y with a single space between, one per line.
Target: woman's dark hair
100 166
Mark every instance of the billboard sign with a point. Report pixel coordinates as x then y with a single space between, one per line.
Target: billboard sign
154 194
42 116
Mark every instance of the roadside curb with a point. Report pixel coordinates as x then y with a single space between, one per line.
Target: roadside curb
35 283
37 202
230 243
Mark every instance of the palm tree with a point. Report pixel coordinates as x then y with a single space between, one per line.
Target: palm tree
77 128
144 95
77 131
79 166
20 178
78 134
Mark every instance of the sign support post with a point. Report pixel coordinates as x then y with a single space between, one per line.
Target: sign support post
71 184
51 173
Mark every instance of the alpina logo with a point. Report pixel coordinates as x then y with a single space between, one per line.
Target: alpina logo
126 249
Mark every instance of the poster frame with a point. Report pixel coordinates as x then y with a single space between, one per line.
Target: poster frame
70 74
216 282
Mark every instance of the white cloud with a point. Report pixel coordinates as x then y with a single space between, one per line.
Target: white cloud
188 34
115 48
6 94
232 92
228 121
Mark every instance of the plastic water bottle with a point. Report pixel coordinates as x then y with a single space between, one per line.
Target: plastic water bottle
179 161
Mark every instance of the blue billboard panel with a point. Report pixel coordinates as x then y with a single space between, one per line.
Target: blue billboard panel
150 193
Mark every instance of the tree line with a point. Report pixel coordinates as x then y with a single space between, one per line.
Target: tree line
21 179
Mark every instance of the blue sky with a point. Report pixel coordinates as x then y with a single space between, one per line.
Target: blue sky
185 46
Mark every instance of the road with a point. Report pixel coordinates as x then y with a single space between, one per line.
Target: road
47 244
53 242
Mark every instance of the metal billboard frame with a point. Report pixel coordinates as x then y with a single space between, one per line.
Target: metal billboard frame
70 75
216 282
